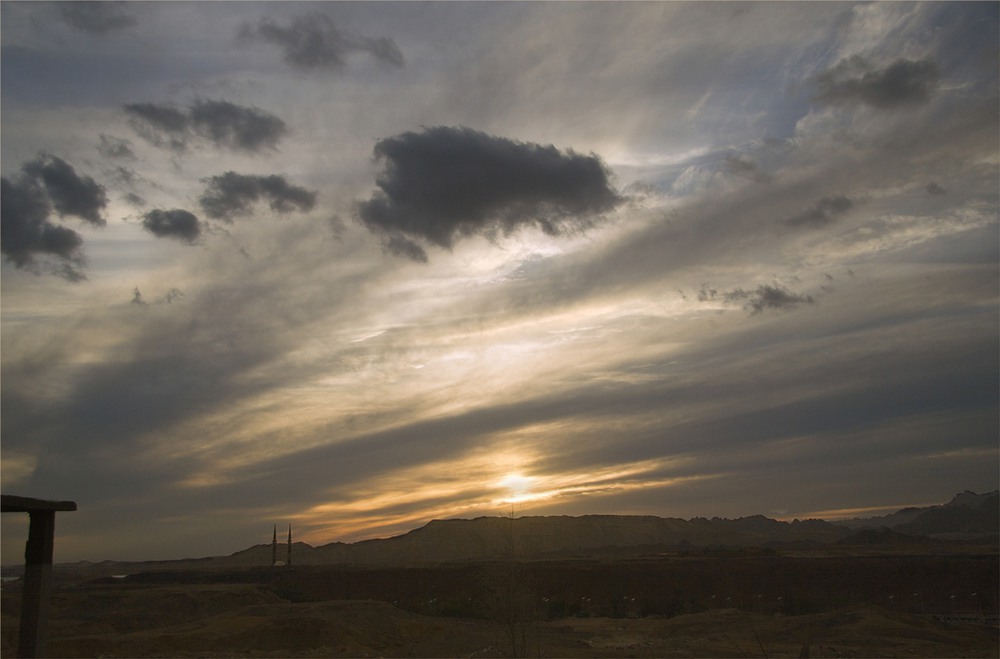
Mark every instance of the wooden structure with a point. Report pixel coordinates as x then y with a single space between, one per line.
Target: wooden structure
37 568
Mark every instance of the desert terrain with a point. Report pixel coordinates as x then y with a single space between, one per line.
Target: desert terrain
702 604
916 583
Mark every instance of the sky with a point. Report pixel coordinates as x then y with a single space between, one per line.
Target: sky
357 266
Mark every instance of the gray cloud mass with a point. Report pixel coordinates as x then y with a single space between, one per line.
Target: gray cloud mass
48 184
176 223
224 124
767 296
97 18
822 212
25 230
312 42
855 80
115 148
444 183
236 127
70 193
232 194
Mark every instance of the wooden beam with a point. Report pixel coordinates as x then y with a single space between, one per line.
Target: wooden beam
14 504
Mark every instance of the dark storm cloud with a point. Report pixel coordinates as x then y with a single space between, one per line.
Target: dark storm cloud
175 223
313 42
97 17
444 183
222 123
70 194
233 194
854 80
822 212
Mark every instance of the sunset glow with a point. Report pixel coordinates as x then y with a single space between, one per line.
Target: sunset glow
659 258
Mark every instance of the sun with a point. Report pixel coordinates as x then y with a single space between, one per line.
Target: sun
518 487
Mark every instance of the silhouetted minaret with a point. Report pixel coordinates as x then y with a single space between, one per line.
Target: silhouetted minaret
274 546
289 561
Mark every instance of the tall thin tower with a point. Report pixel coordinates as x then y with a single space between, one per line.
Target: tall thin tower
289 561
274 545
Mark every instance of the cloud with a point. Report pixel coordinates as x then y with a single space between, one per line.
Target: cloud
236 127
234 194
176 223
401 246
160 125
224 124
70 194
313 42
822 212
762 298
740 166
934 189
115 148
48 184
854 80
26 232
97 18
132 199
444 183
767 296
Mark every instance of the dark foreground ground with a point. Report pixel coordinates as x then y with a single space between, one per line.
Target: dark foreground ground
678 606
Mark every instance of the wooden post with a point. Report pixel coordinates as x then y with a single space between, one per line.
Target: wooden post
37 583
37 569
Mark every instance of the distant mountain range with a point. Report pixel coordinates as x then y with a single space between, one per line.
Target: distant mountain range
968 516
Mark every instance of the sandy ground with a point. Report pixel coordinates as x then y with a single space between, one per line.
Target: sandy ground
247 620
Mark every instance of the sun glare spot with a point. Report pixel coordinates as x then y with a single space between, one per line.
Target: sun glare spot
517 486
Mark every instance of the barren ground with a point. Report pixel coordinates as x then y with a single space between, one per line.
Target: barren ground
224 620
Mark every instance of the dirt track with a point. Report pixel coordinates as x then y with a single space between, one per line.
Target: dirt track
215 620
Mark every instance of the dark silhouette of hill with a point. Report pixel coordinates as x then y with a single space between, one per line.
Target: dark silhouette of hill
884 536
489 538
966 516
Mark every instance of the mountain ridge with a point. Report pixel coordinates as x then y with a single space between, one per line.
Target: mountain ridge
966 516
